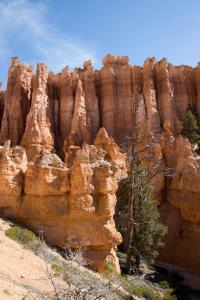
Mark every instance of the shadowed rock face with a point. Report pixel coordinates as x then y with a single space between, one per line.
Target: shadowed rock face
71 192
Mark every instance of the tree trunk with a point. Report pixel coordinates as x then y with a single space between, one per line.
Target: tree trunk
137 261
131 229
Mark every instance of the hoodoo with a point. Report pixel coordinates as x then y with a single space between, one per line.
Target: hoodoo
61 159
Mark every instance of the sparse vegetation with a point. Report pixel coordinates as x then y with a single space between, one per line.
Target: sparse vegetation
25 237
58 269
169 296
109 269
149 293
81 283
132 288
143 291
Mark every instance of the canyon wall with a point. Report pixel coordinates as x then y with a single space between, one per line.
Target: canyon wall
60 165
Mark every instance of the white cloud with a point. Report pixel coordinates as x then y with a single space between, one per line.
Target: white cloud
23 24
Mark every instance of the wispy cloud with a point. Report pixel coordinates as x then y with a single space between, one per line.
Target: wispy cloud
24 28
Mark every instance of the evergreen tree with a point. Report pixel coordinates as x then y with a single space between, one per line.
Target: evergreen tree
190 128
144 230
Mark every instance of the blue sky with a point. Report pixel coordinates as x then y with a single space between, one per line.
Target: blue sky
67 32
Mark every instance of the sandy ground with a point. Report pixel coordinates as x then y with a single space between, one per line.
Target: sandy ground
23 275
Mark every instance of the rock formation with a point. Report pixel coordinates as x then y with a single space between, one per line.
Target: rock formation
70 204
63 178
165 96
17 102
116 96
79 123
150 96
91 101
38 135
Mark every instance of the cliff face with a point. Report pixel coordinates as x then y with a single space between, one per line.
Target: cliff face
63 178
72 203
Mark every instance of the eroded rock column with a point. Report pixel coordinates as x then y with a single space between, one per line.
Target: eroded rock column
79 124
150 96
91 100
38 135
165 97
116 97
17 102
183 78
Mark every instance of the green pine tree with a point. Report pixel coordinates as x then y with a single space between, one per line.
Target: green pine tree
190 128
145 232
148 229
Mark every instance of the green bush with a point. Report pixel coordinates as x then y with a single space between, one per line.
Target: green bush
190 128
24 237
109 268
164 284
169 293
58 269
136 290
142 291
169 296
150 294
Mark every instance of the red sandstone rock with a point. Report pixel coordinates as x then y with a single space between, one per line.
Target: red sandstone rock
150 96
17 102
183 78
13 162
65 111
165 96
75 203
38 134
79 123
91 101
46 175
116 97
67 102
92 201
